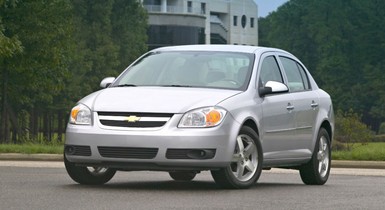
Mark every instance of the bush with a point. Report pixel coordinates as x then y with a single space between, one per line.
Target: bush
350 130
379 138
336 145
382 129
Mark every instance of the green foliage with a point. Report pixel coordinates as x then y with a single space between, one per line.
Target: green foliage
129 30
382 128
53 53
342 43
110 35
44 60
379 138
350 130
8 46
99 53
31 148
368 152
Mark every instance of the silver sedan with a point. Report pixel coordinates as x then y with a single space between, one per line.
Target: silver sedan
233 110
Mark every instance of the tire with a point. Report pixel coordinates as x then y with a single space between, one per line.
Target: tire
246 166
183 175
88 175
316 171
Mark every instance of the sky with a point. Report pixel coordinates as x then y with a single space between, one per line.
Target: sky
267 6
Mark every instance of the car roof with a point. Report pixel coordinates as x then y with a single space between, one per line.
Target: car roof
221 48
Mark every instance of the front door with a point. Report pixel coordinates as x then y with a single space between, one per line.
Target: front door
278 127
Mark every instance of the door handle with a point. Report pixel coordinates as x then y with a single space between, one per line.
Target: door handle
314 104
289 107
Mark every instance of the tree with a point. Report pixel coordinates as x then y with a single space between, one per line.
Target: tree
94 31
33 77
111 35
52 53
8 46
129 31
341 43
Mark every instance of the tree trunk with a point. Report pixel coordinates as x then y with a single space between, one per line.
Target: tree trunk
45 126
3 126
7 133
60 126
14 121
33 124
3 122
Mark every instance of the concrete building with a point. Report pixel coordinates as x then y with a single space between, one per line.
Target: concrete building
179 22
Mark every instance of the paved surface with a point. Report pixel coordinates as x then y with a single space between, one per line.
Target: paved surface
46 185
60 164
54 157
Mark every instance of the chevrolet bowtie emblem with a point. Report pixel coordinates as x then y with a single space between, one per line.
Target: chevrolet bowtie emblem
133 118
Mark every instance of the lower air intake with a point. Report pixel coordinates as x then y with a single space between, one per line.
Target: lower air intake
199 154
128 152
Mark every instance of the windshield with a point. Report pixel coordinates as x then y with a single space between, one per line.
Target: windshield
227 70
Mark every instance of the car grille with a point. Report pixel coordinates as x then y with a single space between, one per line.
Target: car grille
128 152
133 120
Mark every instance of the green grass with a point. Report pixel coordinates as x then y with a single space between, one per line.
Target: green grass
370 152
32 148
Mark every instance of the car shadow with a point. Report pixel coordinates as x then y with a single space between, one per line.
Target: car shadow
175 186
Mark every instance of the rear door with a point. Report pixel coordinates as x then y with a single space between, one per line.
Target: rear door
305 102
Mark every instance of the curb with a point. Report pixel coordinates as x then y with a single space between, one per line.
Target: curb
30 157
59 157
358 164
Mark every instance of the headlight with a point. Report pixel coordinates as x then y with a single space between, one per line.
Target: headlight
80 115
204 117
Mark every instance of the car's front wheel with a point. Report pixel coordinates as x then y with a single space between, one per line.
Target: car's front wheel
246 165
316 171
88 175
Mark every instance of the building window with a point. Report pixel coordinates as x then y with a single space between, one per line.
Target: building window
151 2
189 6
235 20
203 8
252 22
243 21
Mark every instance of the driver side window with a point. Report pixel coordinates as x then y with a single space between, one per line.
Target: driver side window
269 71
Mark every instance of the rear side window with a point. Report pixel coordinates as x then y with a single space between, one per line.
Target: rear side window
304 76
270 71
296 75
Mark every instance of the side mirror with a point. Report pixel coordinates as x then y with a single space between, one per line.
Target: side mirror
107 82
272 87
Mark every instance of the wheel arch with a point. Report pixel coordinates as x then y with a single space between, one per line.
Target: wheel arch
251 123
327 126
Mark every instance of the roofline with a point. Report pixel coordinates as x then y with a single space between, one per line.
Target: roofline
215 47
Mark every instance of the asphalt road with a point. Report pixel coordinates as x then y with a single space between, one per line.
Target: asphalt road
46 185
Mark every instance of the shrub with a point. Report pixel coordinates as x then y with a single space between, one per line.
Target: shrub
382 129
350 130
379 138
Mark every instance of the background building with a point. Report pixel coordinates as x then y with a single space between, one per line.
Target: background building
179 22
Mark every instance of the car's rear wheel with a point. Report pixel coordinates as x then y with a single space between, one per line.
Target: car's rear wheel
246 165
183 175
316 171
88 175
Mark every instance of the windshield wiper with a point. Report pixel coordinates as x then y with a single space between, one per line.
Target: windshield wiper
125 85
177 86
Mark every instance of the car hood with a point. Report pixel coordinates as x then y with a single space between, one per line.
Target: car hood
155 99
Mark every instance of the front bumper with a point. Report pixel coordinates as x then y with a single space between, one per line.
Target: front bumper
164 148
